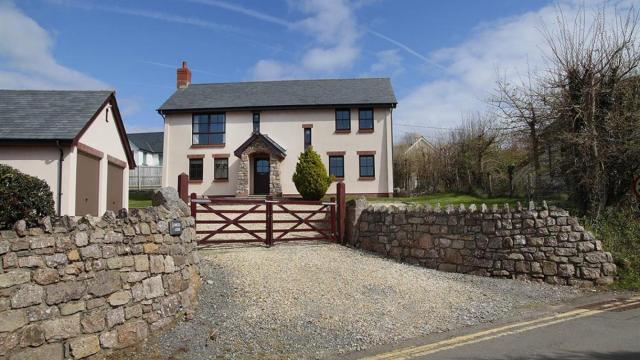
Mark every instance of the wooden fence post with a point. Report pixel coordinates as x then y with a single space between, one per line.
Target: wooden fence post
193 205
268 240
342 210
333 219
183 187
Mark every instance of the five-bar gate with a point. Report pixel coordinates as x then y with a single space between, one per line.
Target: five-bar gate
222 220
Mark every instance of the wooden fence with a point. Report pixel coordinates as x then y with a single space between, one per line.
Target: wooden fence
145 177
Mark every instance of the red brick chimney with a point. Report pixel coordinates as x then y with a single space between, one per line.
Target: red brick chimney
184 76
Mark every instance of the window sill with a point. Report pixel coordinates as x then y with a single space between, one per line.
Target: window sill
365 131
196 146
220 180
195 181
338 179
347 131
366 178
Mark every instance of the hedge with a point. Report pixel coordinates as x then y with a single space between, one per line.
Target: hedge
23 197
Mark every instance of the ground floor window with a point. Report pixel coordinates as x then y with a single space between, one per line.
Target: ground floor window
336 166
221 169
367 166
195 169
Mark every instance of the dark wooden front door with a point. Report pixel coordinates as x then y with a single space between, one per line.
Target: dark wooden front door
261 176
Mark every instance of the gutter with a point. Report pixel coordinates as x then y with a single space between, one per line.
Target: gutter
60 160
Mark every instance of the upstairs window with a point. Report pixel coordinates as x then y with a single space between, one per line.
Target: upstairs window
256 122
367 166
343 119
195 169
365 119
307 138
208 129
221 169
336 166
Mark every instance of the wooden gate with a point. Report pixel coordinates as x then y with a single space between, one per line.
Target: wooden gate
234 220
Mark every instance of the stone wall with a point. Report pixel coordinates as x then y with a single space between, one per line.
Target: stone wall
78 285
539 244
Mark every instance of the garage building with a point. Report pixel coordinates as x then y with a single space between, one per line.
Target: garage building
74 140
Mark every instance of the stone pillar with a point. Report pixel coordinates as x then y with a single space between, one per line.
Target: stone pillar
242 183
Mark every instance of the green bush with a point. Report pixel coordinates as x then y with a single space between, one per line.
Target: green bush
311 178
23 197
619 229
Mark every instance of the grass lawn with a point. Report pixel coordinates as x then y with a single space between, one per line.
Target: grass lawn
451 198
139 199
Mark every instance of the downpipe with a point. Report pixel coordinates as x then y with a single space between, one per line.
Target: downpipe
60 160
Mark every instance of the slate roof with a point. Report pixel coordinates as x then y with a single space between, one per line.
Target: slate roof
283 94
256 136
47 114
150 141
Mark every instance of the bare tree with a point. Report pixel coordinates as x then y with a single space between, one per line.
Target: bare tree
524 109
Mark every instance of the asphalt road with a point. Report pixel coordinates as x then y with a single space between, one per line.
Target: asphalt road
608 330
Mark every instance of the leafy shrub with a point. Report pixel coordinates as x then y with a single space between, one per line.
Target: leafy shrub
619 229
23 197
311 178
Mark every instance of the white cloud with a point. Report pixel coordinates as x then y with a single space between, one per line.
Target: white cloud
331 23
388 61
25 49
510 47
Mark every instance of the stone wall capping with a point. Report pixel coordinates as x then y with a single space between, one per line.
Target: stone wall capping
532 205
449 209
81 282
536 244
518 206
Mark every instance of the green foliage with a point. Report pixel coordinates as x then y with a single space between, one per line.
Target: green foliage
311 178
619 229
23 197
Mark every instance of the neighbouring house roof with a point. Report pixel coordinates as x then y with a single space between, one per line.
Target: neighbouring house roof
256 136
149 141
420 142
55 115
282 94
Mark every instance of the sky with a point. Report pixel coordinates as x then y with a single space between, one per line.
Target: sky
443 57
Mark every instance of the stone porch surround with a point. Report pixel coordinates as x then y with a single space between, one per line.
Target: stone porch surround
258 147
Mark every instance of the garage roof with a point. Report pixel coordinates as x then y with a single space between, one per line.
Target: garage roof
47 114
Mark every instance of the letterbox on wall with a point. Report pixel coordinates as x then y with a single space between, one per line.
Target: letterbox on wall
175 227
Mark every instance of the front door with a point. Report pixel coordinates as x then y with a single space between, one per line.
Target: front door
261 176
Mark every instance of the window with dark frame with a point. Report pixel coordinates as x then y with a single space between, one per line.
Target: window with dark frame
307 138
365 119
367 166
343 119
195 169
336 166
208 129
256 122
221 168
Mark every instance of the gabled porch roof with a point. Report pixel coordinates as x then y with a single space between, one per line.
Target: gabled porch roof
276 149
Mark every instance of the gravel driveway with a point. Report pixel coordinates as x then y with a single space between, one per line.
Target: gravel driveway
310 300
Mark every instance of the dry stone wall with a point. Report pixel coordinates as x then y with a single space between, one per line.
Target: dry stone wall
77 285
540 244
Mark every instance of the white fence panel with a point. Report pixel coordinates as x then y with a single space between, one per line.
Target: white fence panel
145 177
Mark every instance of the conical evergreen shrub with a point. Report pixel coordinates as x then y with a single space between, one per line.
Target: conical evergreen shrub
311 177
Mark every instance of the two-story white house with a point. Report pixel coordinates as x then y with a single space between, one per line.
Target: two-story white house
245 138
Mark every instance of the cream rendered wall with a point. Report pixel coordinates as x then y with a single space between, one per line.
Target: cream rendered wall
284 127
103 135
42 162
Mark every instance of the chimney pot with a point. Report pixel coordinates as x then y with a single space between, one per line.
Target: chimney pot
183 76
